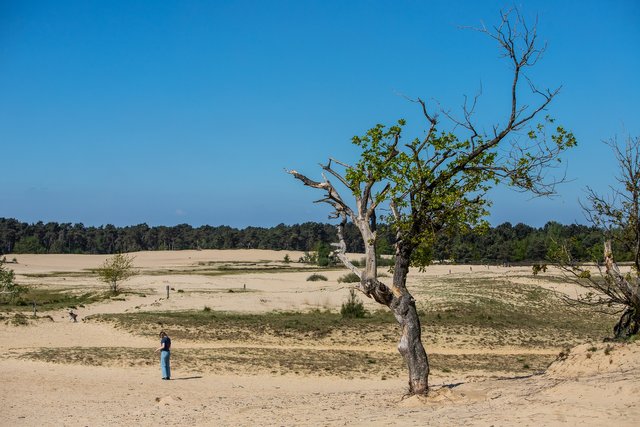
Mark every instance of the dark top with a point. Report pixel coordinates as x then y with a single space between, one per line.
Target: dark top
165 342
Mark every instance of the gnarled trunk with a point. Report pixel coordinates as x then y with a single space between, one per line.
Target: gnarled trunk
629 322
628 325
403 306
404 309
410 345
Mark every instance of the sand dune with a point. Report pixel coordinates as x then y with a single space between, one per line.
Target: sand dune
594 384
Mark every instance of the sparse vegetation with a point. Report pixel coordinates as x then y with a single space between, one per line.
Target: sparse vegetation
349 278
353 308
9 289
317 277
280 361
537 268
53 299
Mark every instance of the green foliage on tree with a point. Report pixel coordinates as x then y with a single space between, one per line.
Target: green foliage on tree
443 193
9 289
116 270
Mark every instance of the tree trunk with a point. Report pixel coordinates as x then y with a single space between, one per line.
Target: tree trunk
404 309
629 322
403 306
628 325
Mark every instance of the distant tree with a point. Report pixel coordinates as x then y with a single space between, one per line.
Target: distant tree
618 216
436 184
116 270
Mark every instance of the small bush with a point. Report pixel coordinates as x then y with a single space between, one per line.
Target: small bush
386 262
608 349
380 261
349 278
585 274
316 277
353 308
537 268
564 354
309 258
19 320
206 308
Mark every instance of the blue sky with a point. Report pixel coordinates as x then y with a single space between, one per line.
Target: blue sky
170 112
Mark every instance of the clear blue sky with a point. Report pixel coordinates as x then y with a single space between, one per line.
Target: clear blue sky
170 112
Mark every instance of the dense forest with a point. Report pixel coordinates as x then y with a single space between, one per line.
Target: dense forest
504 243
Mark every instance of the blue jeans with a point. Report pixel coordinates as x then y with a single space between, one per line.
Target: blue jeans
165 364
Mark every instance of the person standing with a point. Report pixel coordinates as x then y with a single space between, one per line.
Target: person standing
165 355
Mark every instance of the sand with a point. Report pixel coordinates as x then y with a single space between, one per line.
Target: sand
596 384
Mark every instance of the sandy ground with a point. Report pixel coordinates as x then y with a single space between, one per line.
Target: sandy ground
595 385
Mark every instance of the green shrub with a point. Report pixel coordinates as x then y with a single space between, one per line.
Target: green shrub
380 261
316 277
9 289
386 262
206 308
309 258
585 274
537 268
353 308
349 278
19 320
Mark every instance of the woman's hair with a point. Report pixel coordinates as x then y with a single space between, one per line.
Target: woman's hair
163 334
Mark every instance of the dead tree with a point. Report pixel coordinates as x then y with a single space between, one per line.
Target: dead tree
438 183
618 216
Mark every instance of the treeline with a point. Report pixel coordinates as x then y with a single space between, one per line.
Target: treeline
504 243
66 238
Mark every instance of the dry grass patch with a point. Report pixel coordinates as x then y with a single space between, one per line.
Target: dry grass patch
283 361
513 314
